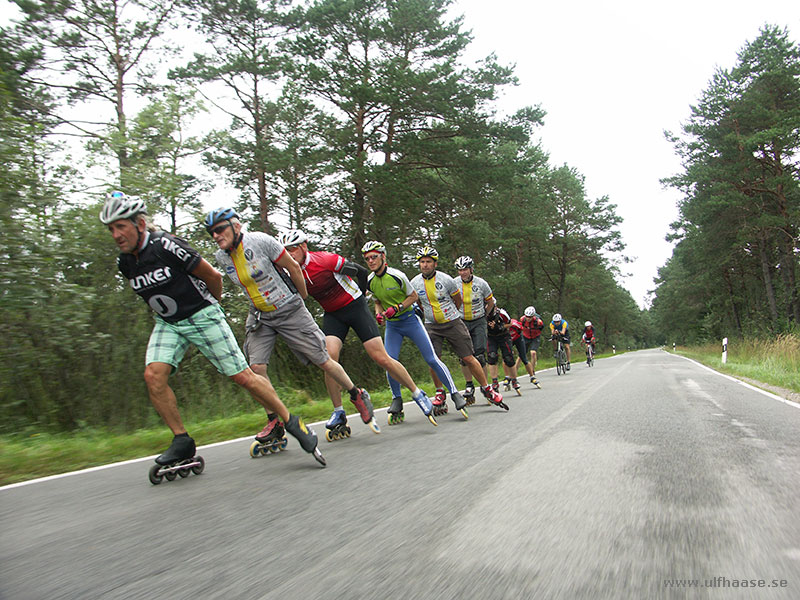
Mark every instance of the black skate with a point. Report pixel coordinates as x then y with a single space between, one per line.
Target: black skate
439 404
516 386
469 394
270 439
178 459
306 437
336 428
506 384
535 381
461 404
396 415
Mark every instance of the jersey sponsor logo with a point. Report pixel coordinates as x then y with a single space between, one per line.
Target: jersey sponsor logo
248 254
230 269
155 277
163 305
175 249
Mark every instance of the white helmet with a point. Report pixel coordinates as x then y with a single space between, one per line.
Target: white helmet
119 206
293 237
556 317
587 324
530 311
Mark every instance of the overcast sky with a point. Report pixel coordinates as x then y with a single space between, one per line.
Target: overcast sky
612 77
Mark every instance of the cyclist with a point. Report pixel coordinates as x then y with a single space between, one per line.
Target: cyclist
440 300
478 301
336 283
394 300
532 326
559 328
259 264
499 342
587 337
183 290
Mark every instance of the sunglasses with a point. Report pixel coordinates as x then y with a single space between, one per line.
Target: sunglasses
218 229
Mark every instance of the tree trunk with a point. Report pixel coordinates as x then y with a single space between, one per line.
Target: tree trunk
767 275
788 272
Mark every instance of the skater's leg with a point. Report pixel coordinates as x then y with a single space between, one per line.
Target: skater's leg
260 388
395 368
335 376
423 342
156 376
394 341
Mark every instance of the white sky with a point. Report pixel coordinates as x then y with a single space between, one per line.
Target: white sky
612 77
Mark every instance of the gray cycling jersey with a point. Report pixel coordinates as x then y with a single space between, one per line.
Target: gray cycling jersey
474 294
436 296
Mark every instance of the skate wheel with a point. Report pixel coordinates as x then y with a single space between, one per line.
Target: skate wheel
329 436
284 443
319 458
519 393
255 449
183 473
432 420
373 424
274 447
464 413
153 475
197 469
170 475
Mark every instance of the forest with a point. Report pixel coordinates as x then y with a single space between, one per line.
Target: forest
352 120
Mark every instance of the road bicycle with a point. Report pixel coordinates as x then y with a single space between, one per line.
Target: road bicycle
561 357
589 355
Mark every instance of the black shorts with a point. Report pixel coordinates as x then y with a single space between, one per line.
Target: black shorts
519 344
532 343
356 315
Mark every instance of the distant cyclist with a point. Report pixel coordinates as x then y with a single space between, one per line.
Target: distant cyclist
588 337
559 328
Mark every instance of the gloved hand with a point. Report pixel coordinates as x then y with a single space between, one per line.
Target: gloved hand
379 318
391 311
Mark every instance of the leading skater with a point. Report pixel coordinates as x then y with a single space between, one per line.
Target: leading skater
183 290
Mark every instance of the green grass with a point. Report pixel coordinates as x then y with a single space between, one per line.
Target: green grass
28 455
775 361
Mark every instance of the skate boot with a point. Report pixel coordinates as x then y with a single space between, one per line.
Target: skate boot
516 386
494 397
306 437
336 428
426 406
271 439
535 381
567 365
363 405
469 394
461 404
439 404
506 384
178 459
181 448
396 415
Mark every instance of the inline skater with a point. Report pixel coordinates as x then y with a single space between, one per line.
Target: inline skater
532 326
394 300
183 289
259 264
518 342
336 284
477 301
440 300
559 328
587 337
499 342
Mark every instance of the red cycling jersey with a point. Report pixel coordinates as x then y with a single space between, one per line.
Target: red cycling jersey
325 282
515 329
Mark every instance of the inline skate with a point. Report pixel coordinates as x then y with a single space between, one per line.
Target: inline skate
426 406
507 384
493 397
363 405
271 439
439 403
535 381
305 436
336 428
396 415
515 385
469 394
178 459
461 404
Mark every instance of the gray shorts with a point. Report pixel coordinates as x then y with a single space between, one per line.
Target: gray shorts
294 324
532 343
455 332
477 331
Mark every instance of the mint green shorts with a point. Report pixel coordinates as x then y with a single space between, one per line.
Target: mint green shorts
208 330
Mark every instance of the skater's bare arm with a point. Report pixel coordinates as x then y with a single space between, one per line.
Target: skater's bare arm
410 299
458 300
295 272
489 304
211 277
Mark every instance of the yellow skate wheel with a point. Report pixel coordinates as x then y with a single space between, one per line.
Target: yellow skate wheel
255 449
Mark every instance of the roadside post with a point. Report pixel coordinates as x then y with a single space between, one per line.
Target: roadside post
724 350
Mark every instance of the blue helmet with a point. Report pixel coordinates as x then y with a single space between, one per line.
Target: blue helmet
217 215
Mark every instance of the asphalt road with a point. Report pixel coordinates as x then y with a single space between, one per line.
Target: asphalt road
609 482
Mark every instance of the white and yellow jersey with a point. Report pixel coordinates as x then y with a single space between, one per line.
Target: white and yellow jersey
436 296
474 294
251 264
